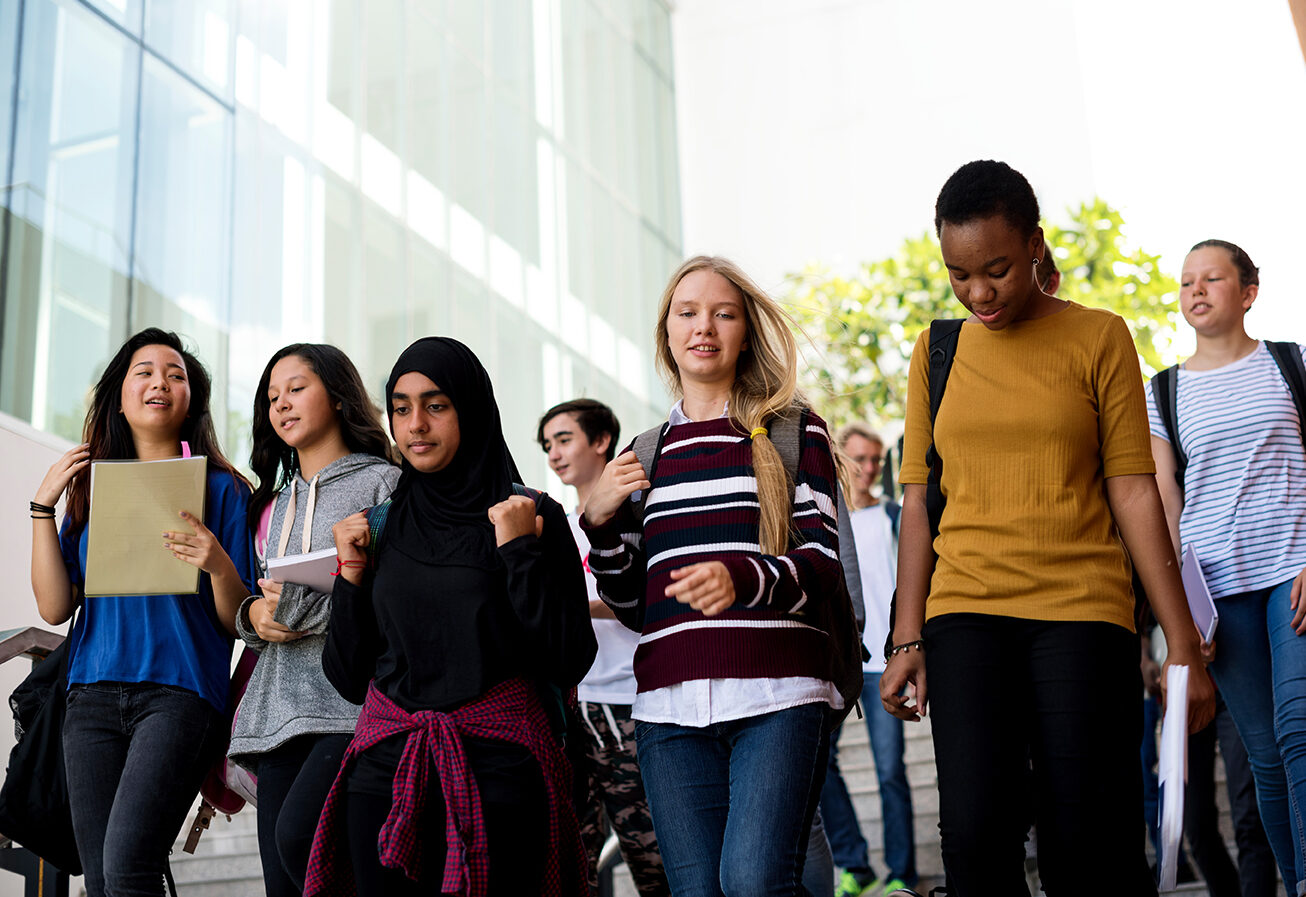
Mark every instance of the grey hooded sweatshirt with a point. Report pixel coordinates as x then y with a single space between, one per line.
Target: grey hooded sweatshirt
288 695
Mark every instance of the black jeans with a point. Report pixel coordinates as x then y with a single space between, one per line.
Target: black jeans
1004 692
135 755
293 782
514 804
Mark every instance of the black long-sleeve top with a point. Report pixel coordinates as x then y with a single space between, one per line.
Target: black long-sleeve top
437 636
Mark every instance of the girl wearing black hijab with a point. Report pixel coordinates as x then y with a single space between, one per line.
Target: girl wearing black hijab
472 604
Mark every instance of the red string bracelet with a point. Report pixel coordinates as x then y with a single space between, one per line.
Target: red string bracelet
356 565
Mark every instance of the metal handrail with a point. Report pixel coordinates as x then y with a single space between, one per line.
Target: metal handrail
31 642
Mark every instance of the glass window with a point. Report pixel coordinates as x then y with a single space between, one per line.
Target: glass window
196 36
429 307
182 267
512 31
383 65
516 180
466 22
427 102
580 231
384 283
65 295
342 56
469 121
577 111
126 13
8 50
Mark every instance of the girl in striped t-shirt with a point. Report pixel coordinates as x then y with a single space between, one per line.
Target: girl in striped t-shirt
725 577
1240 508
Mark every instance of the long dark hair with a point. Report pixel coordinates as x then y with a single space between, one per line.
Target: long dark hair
110 435
274 462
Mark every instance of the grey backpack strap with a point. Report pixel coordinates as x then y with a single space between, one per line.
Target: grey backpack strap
852 571
1288 357
647 446
785 432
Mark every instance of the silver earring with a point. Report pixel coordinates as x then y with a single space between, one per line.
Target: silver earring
1036 261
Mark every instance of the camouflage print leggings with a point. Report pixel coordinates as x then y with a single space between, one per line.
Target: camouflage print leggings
616 798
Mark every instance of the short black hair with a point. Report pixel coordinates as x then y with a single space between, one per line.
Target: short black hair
982 188
1248 274
594 418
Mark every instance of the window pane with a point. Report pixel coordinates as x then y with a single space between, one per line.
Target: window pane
126 13
181 272
195 36
383 64
66 290
468 177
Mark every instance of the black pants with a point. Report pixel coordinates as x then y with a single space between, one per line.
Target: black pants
293 782
1065 696
513 802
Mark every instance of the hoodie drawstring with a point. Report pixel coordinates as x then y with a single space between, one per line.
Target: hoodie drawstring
288 523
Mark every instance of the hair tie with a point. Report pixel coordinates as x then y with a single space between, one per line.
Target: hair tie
757 431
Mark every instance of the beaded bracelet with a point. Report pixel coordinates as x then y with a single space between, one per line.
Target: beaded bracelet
919 645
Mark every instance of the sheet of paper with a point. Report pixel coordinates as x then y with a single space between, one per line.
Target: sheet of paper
315 569
133 503
1200 602
1173 771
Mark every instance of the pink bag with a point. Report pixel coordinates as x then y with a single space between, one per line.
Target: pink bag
229 786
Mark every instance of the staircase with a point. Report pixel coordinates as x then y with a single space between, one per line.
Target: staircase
225 863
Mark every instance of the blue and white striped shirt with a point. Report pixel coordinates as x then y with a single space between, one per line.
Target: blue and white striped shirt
1245 485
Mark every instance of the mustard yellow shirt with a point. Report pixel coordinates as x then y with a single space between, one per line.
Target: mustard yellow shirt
1034 419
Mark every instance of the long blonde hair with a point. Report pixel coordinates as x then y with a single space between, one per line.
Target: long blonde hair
765 385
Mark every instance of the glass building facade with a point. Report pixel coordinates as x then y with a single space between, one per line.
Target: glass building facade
360 172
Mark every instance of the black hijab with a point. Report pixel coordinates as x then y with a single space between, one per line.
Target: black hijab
441 517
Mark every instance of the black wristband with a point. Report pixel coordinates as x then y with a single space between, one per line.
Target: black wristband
37 506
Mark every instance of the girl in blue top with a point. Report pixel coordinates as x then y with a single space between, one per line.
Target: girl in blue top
147 675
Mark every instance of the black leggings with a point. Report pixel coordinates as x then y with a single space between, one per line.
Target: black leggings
293 782
1005 691
513 802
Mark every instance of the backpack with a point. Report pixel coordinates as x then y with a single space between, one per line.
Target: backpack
34 802
943 349
1165 393
843 617
556 701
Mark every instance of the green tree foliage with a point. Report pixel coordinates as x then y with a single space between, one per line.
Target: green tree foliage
860 330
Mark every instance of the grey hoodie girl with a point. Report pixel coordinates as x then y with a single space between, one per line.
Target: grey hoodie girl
288 695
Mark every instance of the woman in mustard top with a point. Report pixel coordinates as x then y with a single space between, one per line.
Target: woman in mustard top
1023 604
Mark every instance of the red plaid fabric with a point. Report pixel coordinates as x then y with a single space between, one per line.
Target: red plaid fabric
511 711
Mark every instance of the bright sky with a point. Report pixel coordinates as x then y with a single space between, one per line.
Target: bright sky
821 130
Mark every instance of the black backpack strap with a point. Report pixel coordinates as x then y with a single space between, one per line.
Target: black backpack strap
1288 357
944 333
534 495
1165 395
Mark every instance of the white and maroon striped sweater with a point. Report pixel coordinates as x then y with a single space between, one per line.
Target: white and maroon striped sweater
703 506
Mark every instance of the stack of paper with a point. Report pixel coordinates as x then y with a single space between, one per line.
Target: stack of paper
1173 771
315 569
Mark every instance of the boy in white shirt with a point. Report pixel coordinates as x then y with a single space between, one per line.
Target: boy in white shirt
875 530
580 437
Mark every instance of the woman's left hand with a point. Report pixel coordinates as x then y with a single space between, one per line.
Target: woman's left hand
706 587
1298 605
200 549
515 517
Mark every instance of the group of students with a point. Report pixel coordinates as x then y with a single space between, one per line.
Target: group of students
415 730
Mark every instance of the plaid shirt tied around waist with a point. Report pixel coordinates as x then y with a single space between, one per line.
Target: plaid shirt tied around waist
511 711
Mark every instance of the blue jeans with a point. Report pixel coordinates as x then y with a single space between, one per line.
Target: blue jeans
733 802
135 755
1260 666
887 745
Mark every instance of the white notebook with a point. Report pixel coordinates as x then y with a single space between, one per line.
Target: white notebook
1173 770
1200 602
315 569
